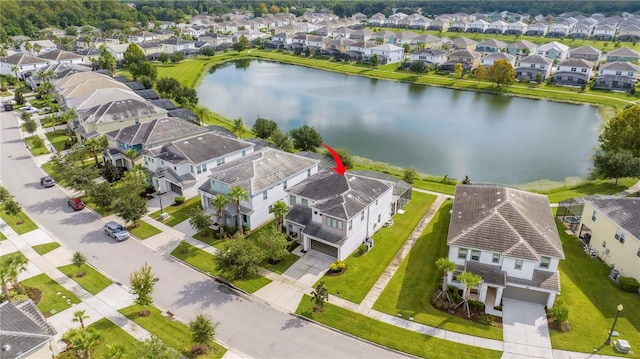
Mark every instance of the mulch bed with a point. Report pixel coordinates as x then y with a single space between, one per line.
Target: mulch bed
335 274
460 312
34 294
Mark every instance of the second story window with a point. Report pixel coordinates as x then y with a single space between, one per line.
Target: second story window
362 216
594 216
350 224
495 258
334 223
475 255
264 195
544 262
284 185
619 235
220 161
462 253
305 202
518 265
292 200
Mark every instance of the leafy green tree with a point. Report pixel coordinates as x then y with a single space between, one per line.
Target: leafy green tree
202 333
238 126
167 86
374 60
319 295
128 204
481 73
406 47
282 140
133 54
116 351
346 158
306 138
279 210
18 97
622 132
82 341
143 69
458 70
219 202
79 316
240 260
446 266
30 125
418 67
110 172
11 207
466 180
502 73
616 164
200 221
242 43
274 243
263 128
142 283
4 194
154 348
107 61
79 260
163 57
409 175
237 194
208 51
11 266
176 57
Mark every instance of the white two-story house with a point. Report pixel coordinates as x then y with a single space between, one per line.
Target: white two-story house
182 166
265 175
617 75
509 238
429 56
335 214
530 66
573 72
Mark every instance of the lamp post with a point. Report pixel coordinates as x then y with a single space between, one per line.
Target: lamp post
619 308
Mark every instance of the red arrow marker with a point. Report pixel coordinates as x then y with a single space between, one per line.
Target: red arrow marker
340 168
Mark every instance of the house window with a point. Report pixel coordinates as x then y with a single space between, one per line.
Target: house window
475 255
244 153
542 67
638 252
604 244
619 235
462 253
456 276
189 167
245 219
630 74
362 216
518 265
201 169
292 200
220 161
284 185
584 70
309 172
264 195
594 216
379 217
495 258
334 223
544 262
305 202
618 73
350 224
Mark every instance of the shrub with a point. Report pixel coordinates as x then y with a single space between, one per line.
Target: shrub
476 304
559 313
565 327
455 294
629 284
179 200
338 266
485 318
362 249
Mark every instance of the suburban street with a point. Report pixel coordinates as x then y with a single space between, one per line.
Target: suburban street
245 323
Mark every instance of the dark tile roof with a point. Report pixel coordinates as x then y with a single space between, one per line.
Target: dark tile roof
540 279
156 131
22 59
134 85
164 103
536 59
299 214
625 212
577 63
22 328
59 55
315 230
119 110
399 187
490 273
623 51
586 50
185 114
620 66
219 130
465 53
340 196
201 148
148 94
500 219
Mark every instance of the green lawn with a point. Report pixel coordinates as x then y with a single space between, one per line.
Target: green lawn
589 188
411 287
391 336
112 334
103 211
19 223
43 249
592 300
172 332
204 261
177 214
58 139
36 150
143 230
93 281
2 237
363 271
51 302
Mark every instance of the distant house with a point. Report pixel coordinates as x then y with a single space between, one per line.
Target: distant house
478 26
469 60
629 33
117 51
463 43
586 52
509 238
491 58
265 175
573 72
44 45
439 24
61 56
151 48
558 30
335 214
459 26
429 41
532 65
516 28
614 231
490 45
405 37
143 36
25 331
388 53
26 65
430 56
537 29
521 48
553 50
178 45
617 75
623 54
497 27
604 32
581 31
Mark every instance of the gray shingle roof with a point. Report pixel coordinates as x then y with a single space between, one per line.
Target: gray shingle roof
620 66
340 196
261 170
22 328
512 222
22 59
119 110
536 59
624 51
156 131
577 63
586 50
430 52
299 214
164 103
315 230
490 274
625 212
465 53
540 279
202 147
59 55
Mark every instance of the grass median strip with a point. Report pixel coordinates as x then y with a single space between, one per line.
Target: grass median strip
43 249
204 261
364 270
390 335
143 230
92 280
409 291
173 333
54 297
20 223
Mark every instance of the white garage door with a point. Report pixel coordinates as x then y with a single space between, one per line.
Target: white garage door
526 295
324 248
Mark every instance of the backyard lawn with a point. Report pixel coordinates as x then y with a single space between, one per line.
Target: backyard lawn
143 230
172 332
390 335
592 299
51 302
410 288
364 270
93 281
19 223
589 188
204 261
43 249
177 214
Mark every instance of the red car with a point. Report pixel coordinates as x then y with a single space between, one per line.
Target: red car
76 204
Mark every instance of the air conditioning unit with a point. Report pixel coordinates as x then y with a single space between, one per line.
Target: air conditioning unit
614 274
607 251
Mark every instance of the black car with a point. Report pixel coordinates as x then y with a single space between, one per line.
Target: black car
47 181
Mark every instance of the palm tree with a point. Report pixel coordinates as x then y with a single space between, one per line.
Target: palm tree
95 145
37 48
279 210
83 341
116 351
446 266
80 316
10 267
68 117
28 46
469 280
15 71
237 194
130 154
219 202
319 295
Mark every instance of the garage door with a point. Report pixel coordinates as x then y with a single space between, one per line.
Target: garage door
526 295
324 248
175 188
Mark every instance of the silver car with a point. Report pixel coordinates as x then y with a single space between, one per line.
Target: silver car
116 231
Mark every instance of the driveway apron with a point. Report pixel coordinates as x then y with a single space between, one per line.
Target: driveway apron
525 330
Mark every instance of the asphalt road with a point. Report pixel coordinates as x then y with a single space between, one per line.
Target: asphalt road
245 323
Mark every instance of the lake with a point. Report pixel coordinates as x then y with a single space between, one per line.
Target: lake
490 138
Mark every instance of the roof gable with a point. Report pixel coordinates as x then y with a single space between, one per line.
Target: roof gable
625 212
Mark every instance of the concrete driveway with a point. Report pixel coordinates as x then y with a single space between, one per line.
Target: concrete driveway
525 330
